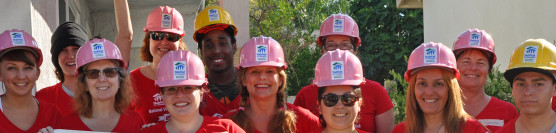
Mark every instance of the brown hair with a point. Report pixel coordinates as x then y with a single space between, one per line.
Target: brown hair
357 92
454 116
21 55
282 122
146 52
84 101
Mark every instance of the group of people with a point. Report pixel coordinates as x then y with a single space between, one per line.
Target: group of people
182 92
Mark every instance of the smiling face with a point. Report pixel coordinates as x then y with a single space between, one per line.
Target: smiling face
182 100
339 116
532 92
217 51
66 59
431 91
159 48
103 87
473 66
19 77
262 81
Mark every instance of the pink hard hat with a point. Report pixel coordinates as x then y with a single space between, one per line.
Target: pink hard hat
180 67
19 39
165 19
339 24
338 67
262 51
431 54
477 39
98 49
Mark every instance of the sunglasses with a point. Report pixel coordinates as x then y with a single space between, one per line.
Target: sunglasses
157 36
174 90
347 99
108 72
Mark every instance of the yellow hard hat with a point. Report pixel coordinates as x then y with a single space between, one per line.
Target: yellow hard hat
211 18
533 55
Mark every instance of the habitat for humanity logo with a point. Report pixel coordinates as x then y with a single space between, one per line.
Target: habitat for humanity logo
179 70
430 55
166 21
17 38
262 52
98 50
530 54
213 15
475 39
338 25
337 70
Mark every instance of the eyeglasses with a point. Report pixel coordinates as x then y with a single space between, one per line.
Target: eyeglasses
334 46
174 90
169 36
108 72
347 99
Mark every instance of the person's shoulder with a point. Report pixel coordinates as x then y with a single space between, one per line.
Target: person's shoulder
156 128
298 110
472 125
48 90
508 127
400 128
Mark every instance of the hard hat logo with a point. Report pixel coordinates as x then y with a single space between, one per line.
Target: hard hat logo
213 15
338 25
17 38
430 55
530 54
98 50
262 52
475 39
166 21
337 70
179 70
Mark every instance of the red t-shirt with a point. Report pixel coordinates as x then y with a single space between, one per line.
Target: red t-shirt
554 103
56 95
375 102
129 122
496 113
210 125
48 116
211 106
320 131
509 127
471 126
149 103
306 121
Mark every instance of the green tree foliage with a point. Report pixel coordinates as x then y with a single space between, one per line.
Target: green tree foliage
388 35
293 23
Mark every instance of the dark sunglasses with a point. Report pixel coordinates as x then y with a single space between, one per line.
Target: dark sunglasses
157 36
108 72
174 90
347 99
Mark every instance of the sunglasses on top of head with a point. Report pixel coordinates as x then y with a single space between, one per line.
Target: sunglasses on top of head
347 99
157 36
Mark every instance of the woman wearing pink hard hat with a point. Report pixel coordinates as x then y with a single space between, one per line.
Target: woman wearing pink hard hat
163 33
474 51
66 40
182 83
434 97
338 75
263 107
20 59
340 31
103 92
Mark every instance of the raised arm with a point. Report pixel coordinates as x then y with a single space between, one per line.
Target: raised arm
125 30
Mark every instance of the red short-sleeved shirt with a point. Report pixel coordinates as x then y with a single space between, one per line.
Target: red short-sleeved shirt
149 103
509 127
129 122
471 126
306 121
375 102
211 106
210 125
496 113
48 116
56 95
554 103
320 131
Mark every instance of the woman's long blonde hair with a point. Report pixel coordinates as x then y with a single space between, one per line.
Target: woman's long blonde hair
454 116
282 122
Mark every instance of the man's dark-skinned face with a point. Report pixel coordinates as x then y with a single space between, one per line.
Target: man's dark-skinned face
218 51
